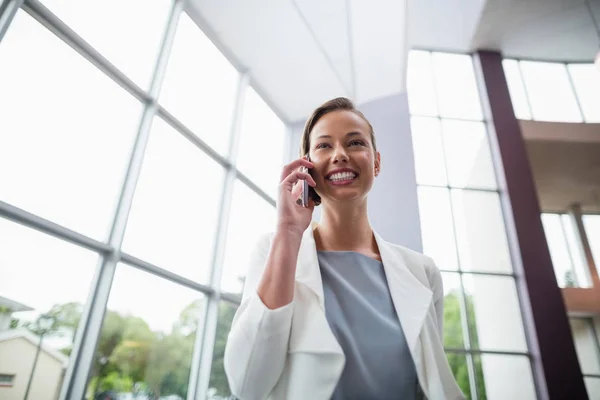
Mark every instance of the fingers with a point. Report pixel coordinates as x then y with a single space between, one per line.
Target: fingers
294 165
296 176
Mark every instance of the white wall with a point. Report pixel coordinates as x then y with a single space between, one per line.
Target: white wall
393 207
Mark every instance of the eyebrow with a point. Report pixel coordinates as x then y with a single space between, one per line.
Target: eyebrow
354 133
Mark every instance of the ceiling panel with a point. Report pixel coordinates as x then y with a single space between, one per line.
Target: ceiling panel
554 30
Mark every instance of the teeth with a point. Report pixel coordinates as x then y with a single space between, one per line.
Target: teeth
340 176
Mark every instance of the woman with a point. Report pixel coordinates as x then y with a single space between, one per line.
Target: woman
332 311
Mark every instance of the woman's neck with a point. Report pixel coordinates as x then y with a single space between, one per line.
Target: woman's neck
345 228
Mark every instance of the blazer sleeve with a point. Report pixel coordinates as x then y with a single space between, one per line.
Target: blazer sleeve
437 287
257 345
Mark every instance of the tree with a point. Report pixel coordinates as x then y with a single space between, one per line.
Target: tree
453 338
218 378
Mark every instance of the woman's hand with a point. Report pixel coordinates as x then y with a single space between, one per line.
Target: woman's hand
292 217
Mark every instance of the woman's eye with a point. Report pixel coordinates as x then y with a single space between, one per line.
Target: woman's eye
357 143
322 145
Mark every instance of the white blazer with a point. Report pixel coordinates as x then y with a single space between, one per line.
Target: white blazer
290 353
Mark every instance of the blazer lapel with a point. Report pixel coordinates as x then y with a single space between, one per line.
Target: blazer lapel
307 267
410 296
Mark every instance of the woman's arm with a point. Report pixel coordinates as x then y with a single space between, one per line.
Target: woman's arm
276 288
257 344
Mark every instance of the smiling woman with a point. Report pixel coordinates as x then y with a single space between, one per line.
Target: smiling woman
333 311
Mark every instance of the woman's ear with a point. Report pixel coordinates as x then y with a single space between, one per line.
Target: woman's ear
377 163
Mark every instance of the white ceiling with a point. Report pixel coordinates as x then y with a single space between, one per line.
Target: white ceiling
554 30
300 53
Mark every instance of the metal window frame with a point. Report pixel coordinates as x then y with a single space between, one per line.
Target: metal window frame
571 84
89 330
522 297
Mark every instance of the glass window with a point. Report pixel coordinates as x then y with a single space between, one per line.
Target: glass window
174 213
429 151
593 387
468 155
218 385
480 232
419 84
147 338
437 229
458 95
260 152
550 93
453 332
591 225
518 96
494 302
40 275
585 344
504 377
200 85
458 365
133 39
557 244
580 267
66 131
586 80
251 216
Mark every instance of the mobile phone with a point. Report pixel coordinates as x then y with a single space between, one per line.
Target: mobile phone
305 188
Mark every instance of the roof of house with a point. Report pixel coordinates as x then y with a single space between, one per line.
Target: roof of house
11 334
14 306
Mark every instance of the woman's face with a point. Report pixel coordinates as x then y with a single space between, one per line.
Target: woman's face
345 161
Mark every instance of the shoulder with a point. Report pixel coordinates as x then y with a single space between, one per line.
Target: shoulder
414 258
421 265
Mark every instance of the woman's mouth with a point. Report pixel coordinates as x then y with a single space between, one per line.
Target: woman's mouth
342 178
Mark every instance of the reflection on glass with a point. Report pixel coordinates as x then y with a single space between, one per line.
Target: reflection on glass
580 267
518 96
468 155
133 51
419 84
456 86
458 365
173 217
550 93
494 302
251 216
593 387
39 275
147 339
437 229
260 152
480 232
591 224
218 385
585 344
199 86
504 377
428 151
453 332
586 81
66 131
557 244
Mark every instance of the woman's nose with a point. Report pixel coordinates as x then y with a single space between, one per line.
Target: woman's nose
340 155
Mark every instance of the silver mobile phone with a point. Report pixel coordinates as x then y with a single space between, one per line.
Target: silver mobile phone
305 188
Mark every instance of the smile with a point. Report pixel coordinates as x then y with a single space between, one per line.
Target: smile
342 178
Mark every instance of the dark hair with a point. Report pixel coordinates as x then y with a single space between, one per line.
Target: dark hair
337 104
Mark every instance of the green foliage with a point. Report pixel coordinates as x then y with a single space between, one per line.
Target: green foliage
453 338
218 379
131 357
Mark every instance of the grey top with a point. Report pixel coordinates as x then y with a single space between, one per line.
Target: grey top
360 312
